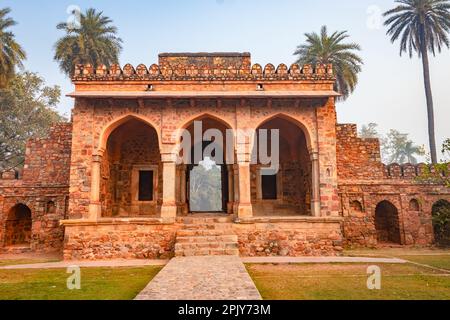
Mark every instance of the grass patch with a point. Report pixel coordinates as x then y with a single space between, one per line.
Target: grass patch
348 282
438 258
96 284
437 261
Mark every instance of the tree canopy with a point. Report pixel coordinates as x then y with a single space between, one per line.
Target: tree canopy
11 53
325 48
27 109
421 26
94 42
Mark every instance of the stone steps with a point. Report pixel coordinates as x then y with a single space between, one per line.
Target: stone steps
206 237
202 233
205 220
207 252
209 226
206 245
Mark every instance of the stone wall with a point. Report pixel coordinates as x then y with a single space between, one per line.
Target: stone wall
119 241
308 238
357 158
206 61
415 224
44 190
47 160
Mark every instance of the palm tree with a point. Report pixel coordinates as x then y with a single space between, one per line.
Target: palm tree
326 49
94 42
401 149
11 53
422 26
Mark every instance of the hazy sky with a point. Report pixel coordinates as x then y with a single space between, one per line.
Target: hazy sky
390 91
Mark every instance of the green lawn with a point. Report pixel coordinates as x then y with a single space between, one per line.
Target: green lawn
348 282
438 258
96 284
437 261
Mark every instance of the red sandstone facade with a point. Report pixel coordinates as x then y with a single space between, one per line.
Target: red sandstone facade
79 191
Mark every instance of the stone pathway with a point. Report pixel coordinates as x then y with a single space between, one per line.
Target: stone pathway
202 278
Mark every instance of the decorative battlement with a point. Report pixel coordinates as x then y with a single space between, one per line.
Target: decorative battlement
203 66
408 171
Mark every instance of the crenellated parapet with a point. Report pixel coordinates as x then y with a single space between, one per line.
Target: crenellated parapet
408 170
216 66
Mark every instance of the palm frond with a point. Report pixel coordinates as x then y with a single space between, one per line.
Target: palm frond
324 48
11 53
95 42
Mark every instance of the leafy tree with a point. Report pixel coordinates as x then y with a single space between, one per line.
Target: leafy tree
11 53
206 188
26 110
324 49
400 149
438 173
422 26
369 131
441 222
95 42
446 148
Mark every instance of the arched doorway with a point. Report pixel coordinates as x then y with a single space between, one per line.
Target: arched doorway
205 176
441 226
387 223
287 192
18 226
131 171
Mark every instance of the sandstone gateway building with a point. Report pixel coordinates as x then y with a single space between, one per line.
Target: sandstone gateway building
107 184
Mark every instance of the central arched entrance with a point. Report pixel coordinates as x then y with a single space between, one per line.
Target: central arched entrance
206 177
207 185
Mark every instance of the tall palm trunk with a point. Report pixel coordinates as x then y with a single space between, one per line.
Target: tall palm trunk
429 96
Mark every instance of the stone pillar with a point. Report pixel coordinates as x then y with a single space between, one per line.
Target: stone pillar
169 206
235 169
230 205
183 186
315 197
95 207
245 209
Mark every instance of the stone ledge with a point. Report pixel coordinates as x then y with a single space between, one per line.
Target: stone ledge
388 182
254 220
117 221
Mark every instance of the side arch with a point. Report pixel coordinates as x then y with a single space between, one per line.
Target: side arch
387 223
440 213
18 226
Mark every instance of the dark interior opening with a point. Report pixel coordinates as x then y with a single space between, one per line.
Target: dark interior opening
145 185
269 187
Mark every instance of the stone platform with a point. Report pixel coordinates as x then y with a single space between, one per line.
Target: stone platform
202 278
